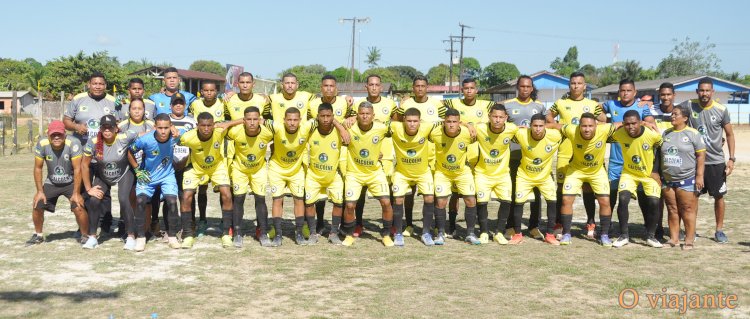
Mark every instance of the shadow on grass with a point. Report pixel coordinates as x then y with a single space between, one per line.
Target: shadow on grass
67 235
19 296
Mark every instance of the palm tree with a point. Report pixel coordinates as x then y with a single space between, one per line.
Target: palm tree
373 56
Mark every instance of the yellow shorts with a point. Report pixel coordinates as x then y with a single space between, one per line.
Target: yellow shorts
630 183
402 184
499 187
562 168
193 177
280 183
574 181
524 188
472 154
463 183
334 190
244 182
376 184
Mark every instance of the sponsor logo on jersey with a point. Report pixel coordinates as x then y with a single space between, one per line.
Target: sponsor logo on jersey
537 161
588 157
411 153
494 153
323 157
364 153
450 158
209 159
636 159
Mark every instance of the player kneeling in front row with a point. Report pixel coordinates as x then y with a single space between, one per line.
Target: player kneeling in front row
63 159
638 144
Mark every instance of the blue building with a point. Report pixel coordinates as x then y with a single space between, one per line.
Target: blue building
550 87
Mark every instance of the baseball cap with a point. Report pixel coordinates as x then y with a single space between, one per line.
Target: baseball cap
108 120
56 126
177 97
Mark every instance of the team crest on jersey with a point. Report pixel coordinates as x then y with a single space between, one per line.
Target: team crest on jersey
598 144
120 151
363 153
308 196
323 157
411 153
461 145
548 148
300 104
646 147
83 108
188 126
494 153
672 150
537 161
450 158
209 159
636 159
349 193
480 194
66 157
186 181
334 145
291 154
386 111
519 195
375 139
216 145
534 111
515 112
356 138
262 145
430 111
273 189
236 187
395 188
218 113
301 141
695 115
338 112
588 157
623 185
506 141
421 140
75 148
251 157
575 120
155 152
92 124
713 118
586 109
685 139
48 157
480 113
702 130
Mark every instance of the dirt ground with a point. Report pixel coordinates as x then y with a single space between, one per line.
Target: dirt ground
59 280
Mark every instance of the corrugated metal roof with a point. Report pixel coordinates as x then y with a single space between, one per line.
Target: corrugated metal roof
9 94
654 84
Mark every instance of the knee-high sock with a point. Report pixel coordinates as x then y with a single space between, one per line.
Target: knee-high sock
277 225
227 217
261 213
299 223
398 217
140 215
471 219
535 218
558 205
94 209
320 211
482 215
409 209
652 213
605 221
551 216
359 210
589 203
312 224
517 217
440 216
202 204
335 225
502 216
567 221
187 224
173 218
238 205
428 213
622 212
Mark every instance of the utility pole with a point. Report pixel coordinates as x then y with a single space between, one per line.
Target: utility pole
354 21
461 55
451 40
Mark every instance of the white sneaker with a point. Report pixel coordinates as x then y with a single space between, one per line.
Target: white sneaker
129 243
140 244
654 243
91 243
621 241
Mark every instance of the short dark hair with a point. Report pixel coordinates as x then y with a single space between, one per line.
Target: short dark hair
136 99
205 116
588 115
626 81
452 112
373 76
171 70
291 110
685 109
632 113
134 81
706 80
97 74
412 111
538 117
251 109
162 117
666 85
328 77
499 107
325 107
577 74
288 75
244 74
469 80
209 82
419 78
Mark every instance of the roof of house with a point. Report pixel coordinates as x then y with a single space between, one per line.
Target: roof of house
9 94
550 77
677 81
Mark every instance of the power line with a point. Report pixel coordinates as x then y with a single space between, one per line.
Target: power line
461 54
451 40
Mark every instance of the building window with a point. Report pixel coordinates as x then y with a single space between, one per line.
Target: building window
2 105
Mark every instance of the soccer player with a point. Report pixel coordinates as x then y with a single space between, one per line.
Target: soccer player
431 110
638 144
249 173
109 148
135 91
491 172
364 170
538 146
662 114
171 87
384 110
323 179
451 148
520 109
570 109
410 148
206 165
62 155
712 120
238 103
156 171
288 98
589 142
136 120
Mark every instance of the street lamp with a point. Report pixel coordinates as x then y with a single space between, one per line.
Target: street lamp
354 21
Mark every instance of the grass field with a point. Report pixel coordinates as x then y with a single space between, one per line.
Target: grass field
60 280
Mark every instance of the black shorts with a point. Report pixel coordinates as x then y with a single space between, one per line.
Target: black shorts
52 192
714 180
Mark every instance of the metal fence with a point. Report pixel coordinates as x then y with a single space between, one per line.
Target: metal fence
31 122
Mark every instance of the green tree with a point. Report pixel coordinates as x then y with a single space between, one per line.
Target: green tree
343 74
13 74
568 64
472 69
406 75
209 66
499 72
373 56
688 58
438 75
308 76
386 75
70 73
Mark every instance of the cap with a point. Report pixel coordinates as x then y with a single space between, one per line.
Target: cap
108 120
177 97
56 126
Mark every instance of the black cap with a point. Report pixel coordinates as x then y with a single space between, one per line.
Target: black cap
177 97
108 120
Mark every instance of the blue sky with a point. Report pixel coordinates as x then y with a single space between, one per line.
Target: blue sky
268 36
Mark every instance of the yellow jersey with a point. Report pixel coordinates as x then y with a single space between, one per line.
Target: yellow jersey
325 154
411 151
588 155
494 149
474 114
570 112
450 152
341 109
235 107
637 152
288 147
249 151
432 110
364 149
207 154
279 104
216 110
383 109
536 159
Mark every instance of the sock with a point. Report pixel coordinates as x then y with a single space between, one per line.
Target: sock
503 214
652 213
398 217
409 210
428 213
299 223
312 224
187 224
359 210
139 217
226 217
386 228
567 221
558 206
471 219
202 203
277 226
622 212
335 225
551 216
482 216
172 217
238 205
606 221
452 220
440 216
348 228
261 213
320 212
589 203
517 217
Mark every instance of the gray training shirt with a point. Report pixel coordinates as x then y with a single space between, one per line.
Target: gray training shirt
520 114
710 123
115 157
678 153
86 110
59 163
148 114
